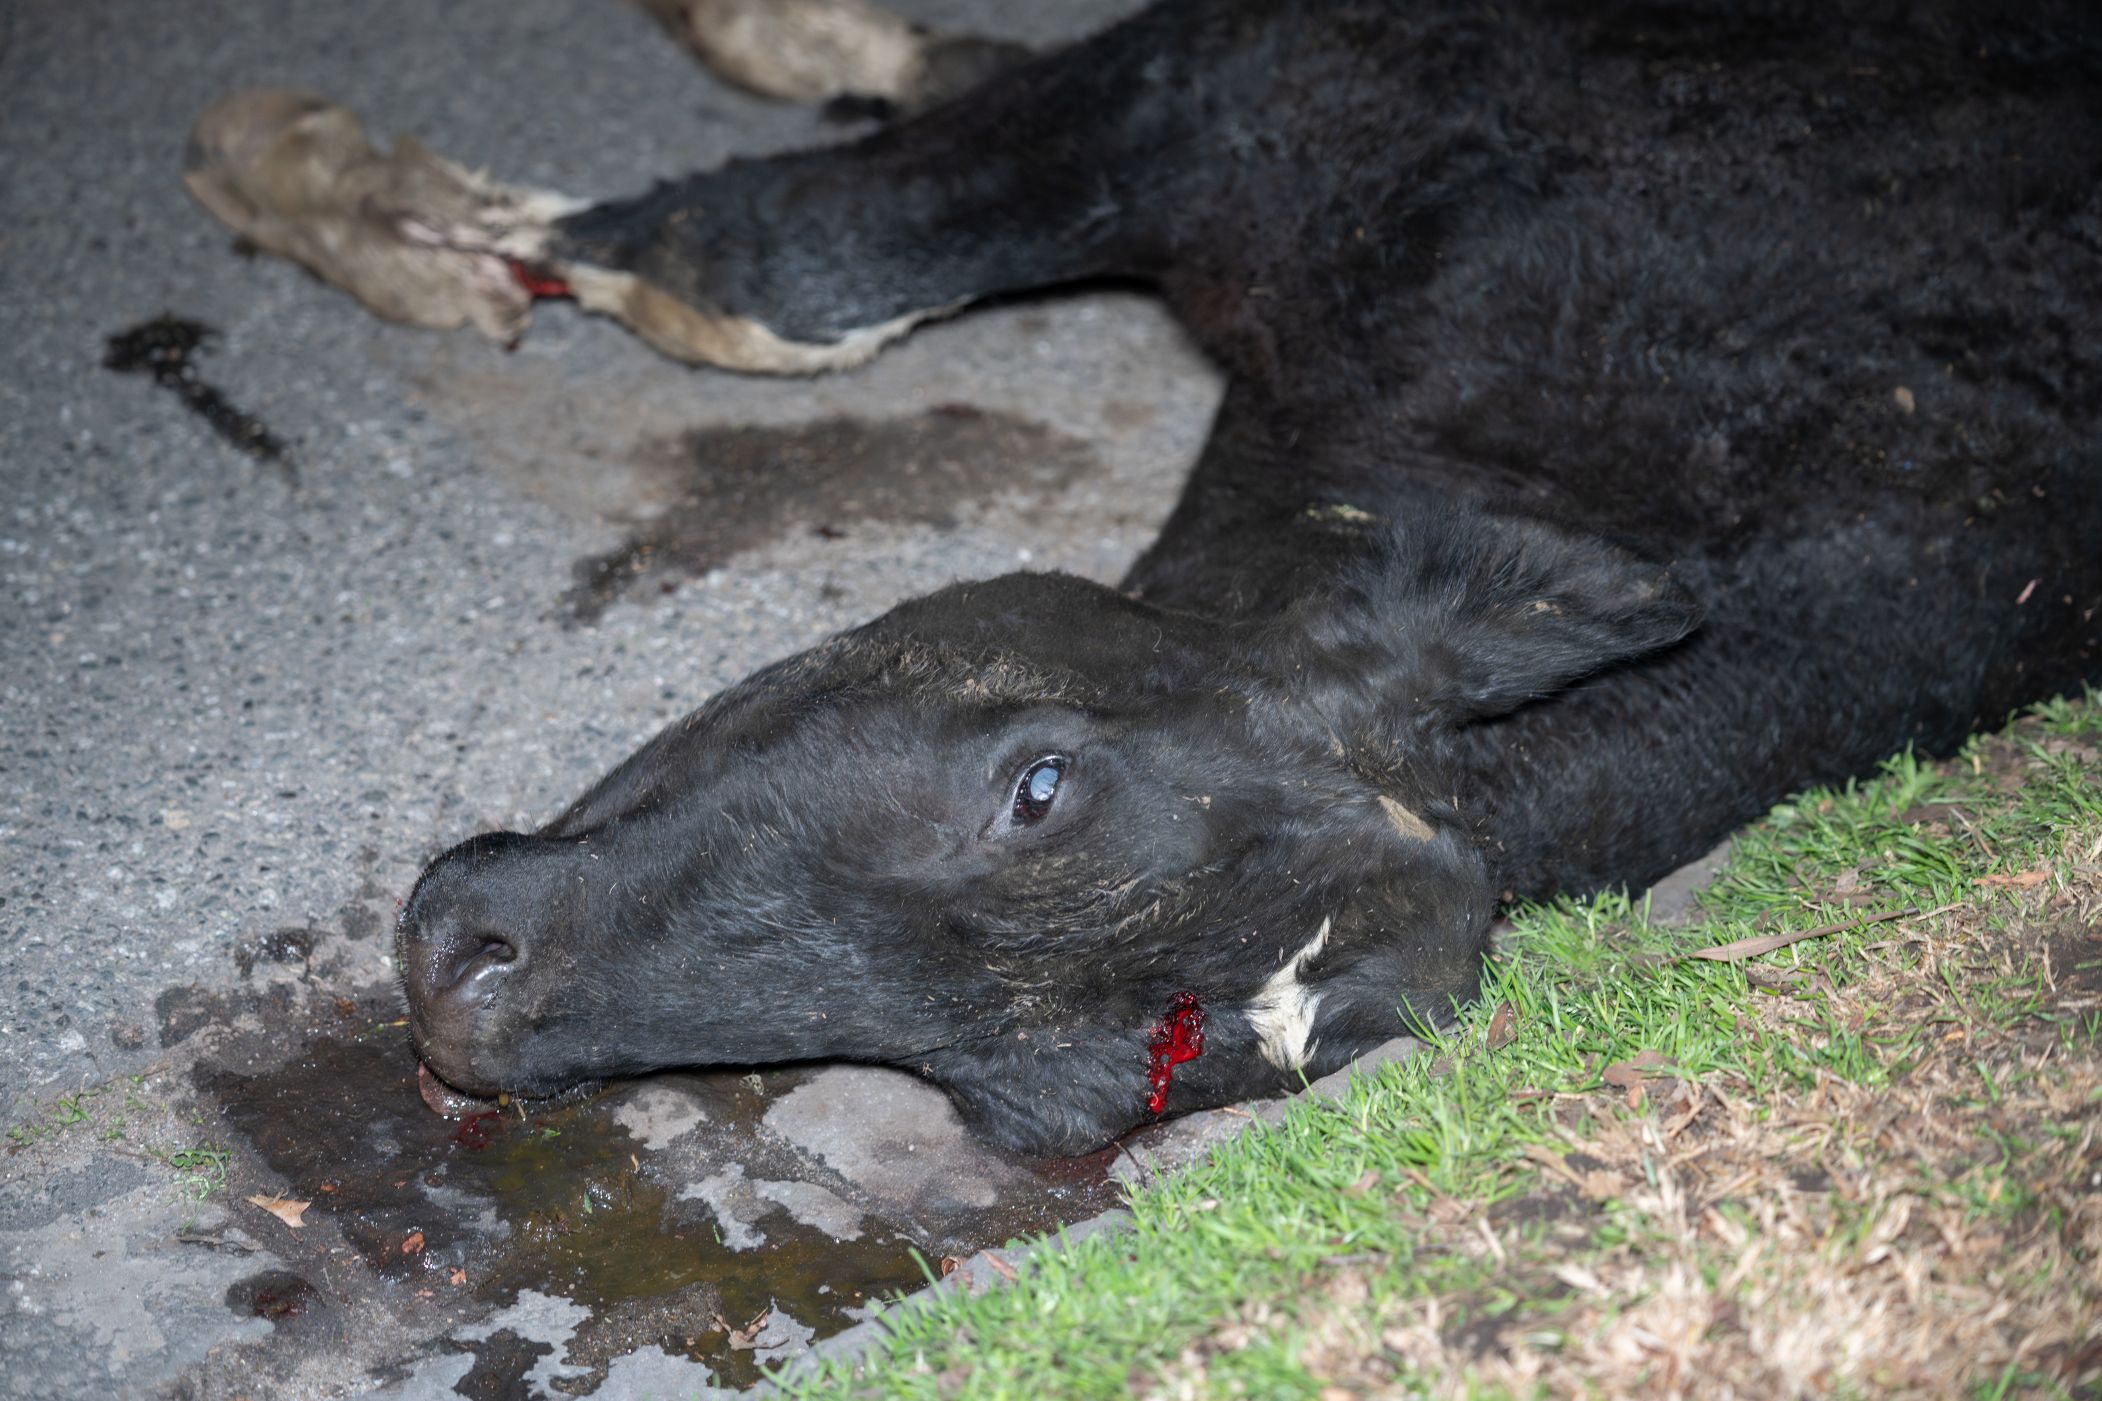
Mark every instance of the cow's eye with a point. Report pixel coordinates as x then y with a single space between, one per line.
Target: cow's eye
1036 788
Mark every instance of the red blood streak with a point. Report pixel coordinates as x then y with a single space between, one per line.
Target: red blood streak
477 1131
536 283
1178 1036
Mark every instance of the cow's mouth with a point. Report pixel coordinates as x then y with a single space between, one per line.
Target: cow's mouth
444 1100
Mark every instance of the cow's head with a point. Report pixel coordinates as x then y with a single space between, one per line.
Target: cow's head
996 835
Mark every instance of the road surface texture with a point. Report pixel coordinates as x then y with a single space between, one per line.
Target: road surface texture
243 697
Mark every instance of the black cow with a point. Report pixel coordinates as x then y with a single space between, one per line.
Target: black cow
1637 411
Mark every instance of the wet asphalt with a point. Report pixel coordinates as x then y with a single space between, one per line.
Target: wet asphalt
244 695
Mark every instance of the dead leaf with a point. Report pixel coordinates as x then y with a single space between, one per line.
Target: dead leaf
1364 1184
1001 1267
413 1243
2018 880
1848 888
745 1339
949 1264
1582 1171
1781 980
1503 1027
1741 949
1630 1073
285 1209
459 1277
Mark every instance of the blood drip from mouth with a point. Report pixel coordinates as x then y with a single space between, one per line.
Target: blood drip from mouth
1177 1037
477 1131
538 284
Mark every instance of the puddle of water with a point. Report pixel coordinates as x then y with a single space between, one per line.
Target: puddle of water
742 486
455 1217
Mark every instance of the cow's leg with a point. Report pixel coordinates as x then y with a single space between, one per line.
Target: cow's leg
413 236
1097 161
1071 167
823 50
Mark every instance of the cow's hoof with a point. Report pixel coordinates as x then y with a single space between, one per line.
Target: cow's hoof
823 50
411 235
802 50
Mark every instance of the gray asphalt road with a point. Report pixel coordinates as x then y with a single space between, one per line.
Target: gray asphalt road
237 701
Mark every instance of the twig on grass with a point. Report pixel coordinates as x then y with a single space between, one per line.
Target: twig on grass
1738 950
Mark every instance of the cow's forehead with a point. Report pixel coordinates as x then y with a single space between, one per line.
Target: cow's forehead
973 657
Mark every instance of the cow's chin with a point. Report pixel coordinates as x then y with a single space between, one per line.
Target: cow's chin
488 1067
462 1072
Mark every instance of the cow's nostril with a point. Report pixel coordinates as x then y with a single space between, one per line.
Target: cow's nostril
456 957
478 957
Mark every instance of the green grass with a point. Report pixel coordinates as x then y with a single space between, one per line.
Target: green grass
199 1171
59 1115
1251 1238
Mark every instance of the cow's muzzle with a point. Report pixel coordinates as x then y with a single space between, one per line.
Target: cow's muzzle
467 941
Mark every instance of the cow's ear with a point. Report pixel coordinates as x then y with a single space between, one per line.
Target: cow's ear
1465 616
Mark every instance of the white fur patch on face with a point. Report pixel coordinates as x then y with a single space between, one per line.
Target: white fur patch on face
1406 824
1282 1011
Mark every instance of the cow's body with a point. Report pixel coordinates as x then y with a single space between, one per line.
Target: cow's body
1798 300
1634 414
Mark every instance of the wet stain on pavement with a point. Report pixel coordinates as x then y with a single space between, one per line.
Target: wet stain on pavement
454 1220
167 348
741 487
501 1363
292 945
188 1009
280 1296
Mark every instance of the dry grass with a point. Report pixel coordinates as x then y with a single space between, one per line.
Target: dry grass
1689 1238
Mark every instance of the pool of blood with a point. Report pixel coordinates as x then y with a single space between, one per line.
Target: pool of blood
1177 1037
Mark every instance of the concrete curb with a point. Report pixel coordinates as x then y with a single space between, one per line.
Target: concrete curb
1187 1142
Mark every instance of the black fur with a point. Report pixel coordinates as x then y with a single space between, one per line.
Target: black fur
1637 412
